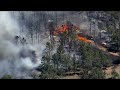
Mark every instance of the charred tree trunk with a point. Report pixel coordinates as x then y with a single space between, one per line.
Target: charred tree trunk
63 17
56 18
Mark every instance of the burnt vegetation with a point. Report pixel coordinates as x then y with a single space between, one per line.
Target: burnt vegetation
73 50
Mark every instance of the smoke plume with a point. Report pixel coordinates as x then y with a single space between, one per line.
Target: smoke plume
10 62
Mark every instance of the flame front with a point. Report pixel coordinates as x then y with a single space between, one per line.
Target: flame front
64 28
83 39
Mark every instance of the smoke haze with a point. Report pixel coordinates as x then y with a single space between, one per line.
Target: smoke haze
10 62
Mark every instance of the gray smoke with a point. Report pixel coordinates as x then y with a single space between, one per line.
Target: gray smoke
10 62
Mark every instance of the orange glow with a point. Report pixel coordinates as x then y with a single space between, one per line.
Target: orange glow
64 28
84 39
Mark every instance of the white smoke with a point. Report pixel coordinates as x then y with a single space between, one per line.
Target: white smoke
10 63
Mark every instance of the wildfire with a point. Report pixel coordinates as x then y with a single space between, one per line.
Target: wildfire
64 28
83 39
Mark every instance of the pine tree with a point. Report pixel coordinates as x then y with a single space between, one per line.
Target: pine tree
94 73
114 74
7 77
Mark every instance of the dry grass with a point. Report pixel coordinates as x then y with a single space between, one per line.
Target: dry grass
71 77
110 69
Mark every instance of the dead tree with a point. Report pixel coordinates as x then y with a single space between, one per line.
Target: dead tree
63 17
56 18
51 30
17 40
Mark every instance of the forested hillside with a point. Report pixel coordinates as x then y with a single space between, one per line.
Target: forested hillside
60 45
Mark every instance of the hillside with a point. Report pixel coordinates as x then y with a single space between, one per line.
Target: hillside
60 44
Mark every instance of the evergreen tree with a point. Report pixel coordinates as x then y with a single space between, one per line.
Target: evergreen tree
94 73
7 77
114 74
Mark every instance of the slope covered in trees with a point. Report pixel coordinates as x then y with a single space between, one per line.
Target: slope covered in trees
64 54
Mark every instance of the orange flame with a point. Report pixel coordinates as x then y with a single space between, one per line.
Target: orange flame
64 28
84 39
